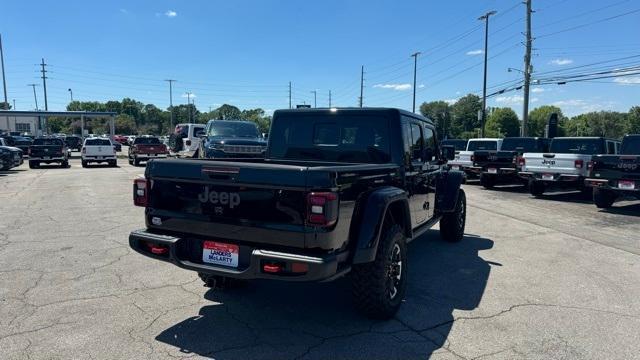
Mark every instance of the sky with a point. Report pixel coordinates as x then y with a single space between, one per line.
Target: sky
245 53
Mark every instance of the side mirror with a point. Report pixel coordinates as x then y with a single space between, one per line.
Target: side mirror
448 152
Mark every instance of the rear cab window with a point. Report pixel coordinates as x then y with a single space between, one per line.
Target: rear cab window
349 138
522 144
48 142
147 141
459 145
97 142
482 145
631 145
585 146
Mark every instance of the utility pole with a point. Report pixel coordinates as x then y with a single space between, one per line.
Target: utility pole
4 79
329 98
289 94
14 104
71 93
527 69
361 85
44 85
189 104
485 17
35 96
415 70
315 95
170 81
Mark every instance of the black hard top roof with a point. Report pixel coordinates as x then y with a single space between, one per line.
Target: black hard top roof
366 110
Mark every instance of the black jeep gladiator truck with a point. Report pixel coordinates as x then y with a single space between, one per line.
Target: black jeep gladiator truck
340 191
48 150
616 176
502 167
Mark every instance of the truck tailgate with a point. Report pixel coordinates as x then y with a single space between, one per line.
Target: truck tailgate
556 163
617 167
43 151
229 200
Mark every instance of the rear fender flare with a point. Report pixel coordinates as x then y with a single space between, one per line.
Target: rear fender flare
369 227
447 187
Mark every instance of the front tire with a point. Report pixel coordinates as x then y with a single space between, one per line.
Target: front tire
536 188
378 287
33 164
603 199
136 162
64 164
452 224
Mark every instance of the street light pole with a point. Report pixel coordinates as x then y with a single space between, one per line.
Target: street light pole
71 93
4 79
170 81
485 17
415 70
315 94
35 96
189 104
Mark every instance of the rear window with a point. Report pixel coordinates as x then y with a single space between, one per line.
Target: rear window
482 145
631 145
577 146
53 142
338 138
147 141
522 144
459 145
97 142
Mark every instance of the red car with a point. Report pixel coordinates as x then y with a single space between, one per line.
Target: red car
121 139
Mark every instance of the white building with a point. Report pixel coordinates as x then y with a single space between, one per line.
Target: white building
21 124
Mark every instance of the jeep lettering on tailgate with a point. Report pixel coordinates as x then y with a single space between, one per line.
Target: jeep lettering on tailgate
223 198
548 162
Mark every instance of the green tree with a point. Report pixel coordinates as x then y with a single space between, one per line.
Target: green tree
539 117
440 113
227 112
125 124
633 120
5 104
609 124
465 114
114 106
502 122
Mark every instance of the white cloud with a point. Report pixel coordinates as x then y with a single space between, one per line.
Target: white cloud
398 87
561 62
450 101
513 100
628 80
171 13
420 86
475 52
124 11
191 96
537 90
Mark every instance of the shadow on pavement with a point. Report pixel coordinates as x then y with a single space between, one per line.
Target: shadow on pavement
572 196
628 210
317 320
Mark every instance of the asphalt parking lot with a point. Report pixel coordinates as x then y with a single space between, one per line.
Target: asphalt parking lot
548 278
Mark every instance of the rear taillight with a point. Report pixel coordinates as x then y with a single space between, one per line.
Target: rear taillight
521 161
140 192
590 165
578 164
322 208
29 151
84 150
473 158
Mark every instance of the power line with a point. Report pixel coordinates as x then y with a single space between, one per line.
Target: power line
589 24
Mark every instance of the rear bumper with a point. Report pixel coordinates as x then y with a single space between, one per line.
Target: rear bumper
99 158
568 178
144 157
187 252
611 185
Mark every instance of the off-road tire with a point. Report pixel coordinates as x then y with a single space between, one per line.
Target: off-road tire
452 224
113 163
603 199
373 283
84 164
33 164
136 162
536 188
64 164
487 181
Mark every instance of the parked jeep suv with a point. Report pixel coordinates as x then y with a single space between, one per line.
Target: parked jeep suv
341 191
231 139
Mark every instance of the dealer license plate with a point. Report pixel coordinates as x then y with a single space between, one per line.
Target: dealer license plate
492 170
46 157
220 253
626 185
455 167
547 176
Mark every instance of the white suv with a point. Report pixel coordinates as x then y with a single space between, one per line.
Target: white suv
185 140
98 150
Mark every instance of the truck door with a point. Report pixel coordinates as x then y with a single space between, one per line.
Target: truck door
417 180
431 169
